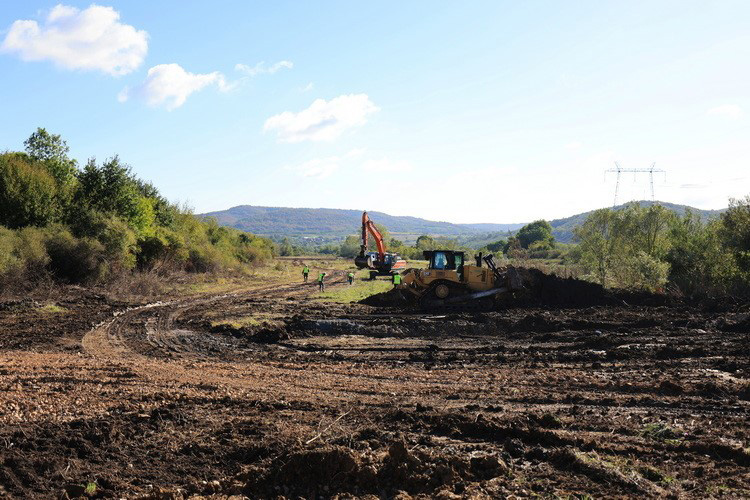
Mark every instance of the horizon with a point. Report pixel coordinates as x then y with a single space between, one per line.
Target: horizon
443 112
549 219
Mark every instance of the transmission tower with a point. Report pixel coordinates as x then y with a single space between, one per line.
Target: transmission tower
635 171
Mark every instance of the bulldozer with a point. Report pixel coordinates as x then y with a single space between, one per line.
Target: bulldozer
448 280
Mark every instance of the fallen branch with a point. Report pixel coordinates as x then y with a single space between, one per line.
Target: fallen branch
331 425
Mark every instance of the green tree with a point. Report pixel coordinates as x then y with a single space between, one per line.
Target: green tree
28 193
599 241
699 262
350 247
110 188
498 246
285 248
647 228
425 242
538 231
52 151
735 232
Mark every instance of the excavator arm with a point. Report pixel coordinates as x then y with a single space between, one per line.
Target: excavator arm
368 226
382 264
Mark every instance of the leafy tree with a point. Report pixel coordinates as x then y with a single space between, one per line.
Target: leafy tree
537 231
285 248
498 246
28 193
425 242
164 212
350 247
699 263
110 188
647 228
735 232
514 250
599 240
52 151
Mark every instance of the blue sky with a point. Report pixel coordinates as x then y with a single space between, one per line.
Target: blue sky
466 112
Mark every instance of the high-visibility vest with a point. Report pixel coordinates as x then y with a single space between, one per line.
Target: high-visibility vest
351 275
396 279
320 277
305 270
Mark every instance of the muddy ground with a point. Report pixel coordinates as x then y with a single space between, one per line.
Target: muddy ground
269 393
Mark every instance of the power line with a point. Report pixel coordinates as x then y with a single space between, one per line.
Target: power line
650 171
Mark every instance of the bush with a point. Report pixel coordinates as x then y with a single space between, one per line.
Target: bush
28 193
32 252
75 260
641 271
205 259
9 260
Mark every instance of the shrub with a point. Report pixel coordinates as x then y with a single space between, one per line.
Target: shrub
8 259
641 271
28 193
76 260
32 251
204 259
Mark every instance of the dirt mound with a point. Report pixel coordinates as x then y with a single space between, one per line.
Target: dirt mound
336 469
551 290
541 289
391 298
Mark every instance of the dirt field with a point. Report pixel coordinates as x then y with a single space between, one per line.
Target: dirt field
271 392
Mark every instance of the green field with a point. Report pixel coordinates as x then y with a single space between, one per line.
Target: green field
362 288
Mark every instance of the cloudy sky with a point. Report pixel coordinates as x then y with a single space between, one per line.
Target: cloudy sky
461 111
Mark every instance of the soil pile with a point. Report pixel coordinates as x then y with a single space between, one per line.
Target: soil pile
547 290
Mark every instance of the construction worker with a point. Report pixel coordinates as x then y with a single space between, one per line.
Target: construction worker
396 280
351 277
305 272
321 285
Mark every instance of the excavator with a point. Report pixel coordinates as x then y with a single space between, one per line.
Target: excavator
380 263
449 281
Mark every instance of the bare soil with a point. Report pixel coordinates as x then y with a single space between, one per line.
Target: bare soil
269 393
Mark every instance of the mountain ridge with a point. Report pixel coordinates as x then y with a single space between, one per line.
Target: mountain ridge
334 223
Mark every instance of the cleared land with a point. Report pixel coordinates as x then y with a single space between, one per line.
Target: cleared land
263 388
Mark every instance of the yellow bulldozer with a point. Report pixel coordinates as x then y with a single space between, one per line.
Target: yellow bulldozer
448 280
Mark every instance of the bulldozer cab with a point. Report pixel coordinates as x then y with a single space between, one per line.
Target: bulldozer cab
444 260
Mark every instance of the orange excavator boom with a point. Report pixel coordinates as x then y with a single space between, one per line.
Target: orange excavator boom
368 226
382 263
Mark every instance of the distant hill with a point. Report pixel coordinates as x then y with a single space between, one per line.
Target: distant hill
330 224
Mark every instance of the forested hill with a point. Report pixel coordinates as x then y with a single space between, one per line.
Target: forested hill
337 223
331 222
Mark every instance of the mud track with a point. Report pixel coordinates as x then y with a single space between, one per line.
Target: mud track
269 392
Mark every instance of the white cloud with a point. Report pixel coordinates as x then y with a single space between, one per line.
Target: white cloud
386 165
307 88
573 146
323 120
318 168
89 39
261 68
169 85
728 110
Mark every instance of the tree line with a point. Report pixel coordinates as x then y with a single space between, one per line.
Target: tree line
93 223
653 248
